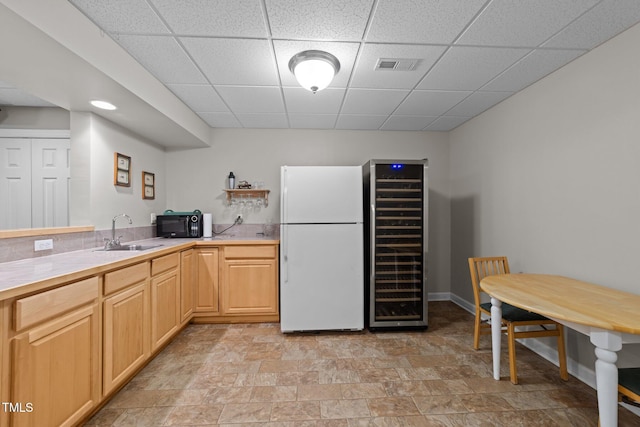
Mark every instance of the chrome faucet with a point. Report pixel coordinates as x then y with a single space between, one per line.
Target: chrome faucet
114 243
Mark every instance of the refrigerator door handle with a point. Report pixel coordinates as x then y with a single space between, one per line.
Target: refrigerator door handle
285 254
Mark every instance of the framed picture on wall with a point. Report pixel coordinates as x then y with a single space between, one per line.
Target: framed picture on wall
148 185
122 170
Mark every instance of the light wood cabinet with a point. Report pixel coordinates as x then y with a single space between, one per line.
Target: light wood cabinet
187 284
56 356
250 280
165 299
237 283
126 324
207 269
67 349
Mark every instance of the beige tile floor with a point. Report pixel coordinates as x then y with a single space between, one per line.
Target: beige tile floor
251 374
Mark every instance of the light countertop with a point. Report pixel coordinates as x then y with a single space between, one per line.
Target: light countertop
35 274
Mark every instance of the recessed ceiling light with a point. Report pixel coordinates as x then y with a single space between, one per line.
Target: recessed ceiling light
104 105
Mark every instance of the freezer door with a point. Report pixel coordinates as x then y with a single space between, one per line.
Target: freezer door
321 194
322 277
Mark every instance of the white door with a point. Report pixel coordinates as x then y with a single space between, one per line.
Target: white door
50 182
15 183
321 277
34 182
321 194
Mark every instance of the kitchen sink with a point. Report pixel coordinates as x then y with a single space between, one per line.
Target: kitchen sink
128 248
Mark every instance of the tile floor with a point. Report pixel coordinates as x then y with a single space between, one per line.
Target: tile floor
251 374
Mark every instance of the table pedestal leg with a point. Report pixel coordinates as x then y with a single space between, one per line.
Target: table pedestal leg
607 376
496 335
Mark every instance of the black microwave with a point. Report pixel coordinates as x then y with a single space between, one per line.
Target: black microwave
179 225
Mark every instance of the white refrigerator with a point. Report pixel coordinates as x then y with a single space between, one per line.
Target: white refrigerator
321 248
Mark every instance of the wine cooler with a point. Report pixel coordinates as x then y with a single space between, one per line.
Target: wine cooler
396 218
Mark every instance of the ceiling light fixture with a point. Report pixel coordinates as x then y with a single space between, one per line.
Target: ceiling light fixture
103 105
314 69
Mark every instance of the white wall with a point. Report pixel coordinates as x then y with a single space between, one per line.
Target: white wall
34 118
551 177
94 198
196 178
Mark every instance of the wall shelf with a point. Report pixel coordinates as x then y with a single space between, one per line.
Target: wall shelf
246 194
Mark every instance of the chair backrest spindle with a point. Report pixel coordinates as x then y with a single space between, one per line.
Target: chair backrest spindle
482 267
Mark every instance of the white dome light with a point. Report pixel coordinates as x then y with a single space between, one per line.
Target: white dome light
314 69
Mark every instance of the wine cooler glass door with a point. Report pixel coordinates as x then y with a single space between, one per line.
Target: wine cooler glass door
397 288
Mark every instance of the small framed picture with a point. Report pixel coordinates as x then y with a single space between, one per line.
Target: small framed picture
122 170
123 162
148 185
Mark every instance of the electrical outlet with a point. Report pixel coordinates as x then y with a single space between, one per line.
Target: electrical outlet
153 219
239 219
43 245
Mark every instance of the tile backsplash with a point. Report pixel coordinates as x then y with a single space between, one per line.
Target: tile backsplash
17 248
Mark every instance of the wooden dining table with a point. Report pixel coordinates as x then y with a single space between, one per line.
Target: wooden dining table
609 317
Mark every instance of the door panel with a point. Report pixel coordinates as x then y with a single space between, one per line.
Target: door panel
50 182
322 277
321 194
15 183
34 182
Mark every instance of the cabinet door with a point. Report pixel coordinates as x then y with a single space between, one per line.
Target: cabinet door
250 287
187 283
126 334
56 370
165 307
207 281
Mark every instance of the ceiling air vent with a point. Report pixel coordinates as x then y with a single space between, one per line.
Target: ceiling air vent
396 64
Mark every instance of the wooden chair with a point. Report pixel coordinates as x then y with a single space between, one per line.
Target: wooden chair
512 317
629 386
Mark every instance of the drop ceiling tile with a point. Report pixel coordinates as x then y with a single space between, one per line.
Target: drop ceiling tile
218 18
312 121
286 49
421 21
360 122
319 19
234 61
371 101
152 52
469 68
407 122
366 76
264 121
478 102
220 120
604 21
229 58
523 23
200 98
301 101
246 99
122 16
531 68
430 102
446 123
